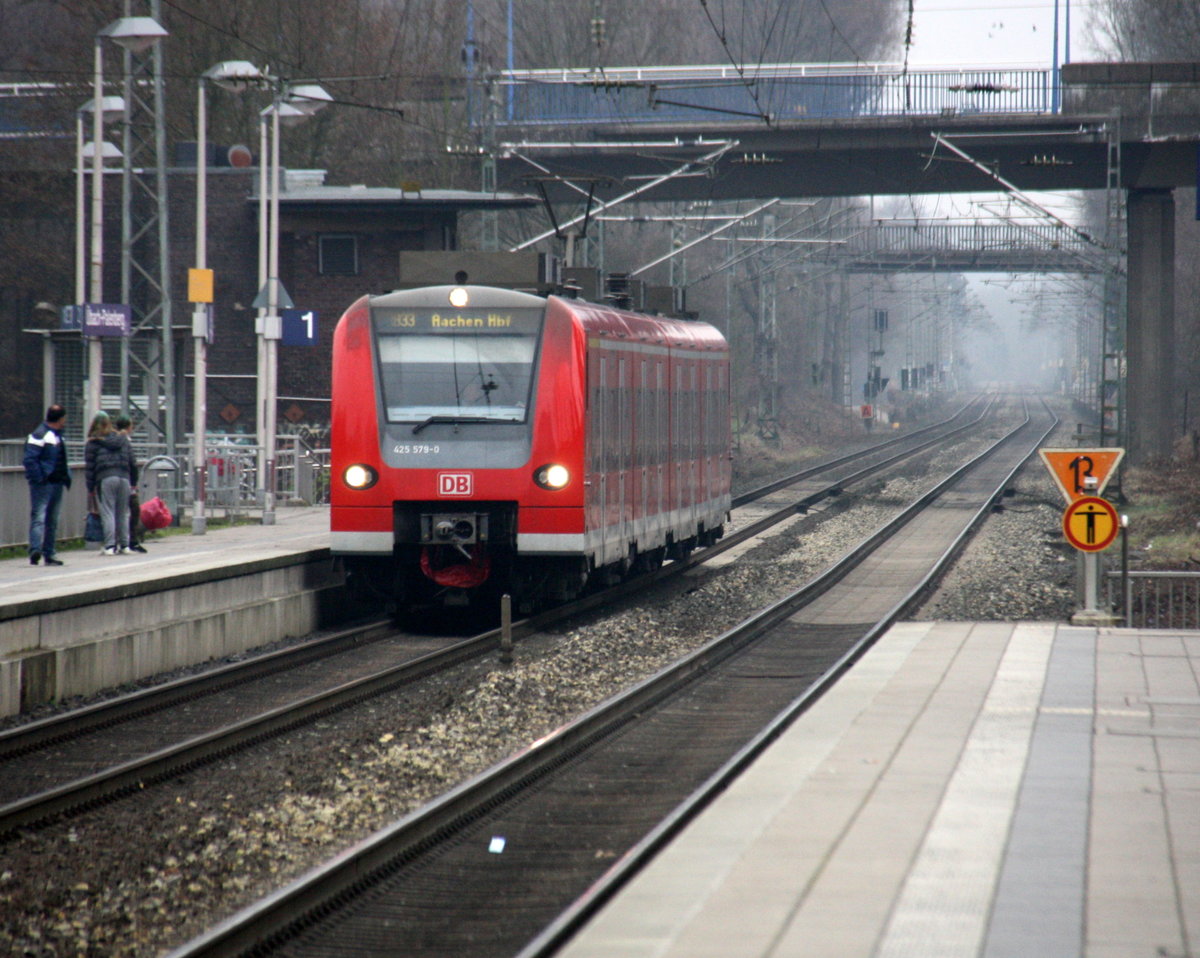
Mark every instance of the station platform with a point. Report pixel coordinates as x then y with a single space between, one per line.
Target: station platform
100 621
1007 790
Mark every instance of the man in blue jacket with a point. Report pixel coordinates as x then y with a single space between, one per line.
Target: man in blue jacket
48 476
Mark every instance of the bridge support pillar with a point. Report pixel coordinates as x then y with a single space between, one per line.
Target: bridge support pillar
1150 324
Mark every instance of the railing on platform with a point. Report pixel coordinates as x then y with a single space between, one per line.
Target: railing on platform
232 481
14 506
301 478
780 91
1155 600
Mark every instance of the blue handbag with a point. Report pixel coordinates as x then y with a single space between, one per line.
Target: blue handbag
94 530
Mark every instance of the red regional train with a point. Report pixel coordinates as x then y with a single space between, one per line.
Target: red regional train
486 440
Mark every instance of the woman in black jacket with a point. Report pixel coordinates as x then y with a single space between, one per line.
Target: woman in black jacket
108 460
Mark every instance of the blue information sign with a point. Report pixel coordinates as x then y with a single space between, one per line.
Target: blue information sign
106 319
299 327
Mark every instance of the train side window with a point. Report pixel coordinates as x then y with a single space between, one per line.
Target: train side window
641 414
676 411
723 413
697 425
664 414
596 417
614 429
691 411
714 411
623 413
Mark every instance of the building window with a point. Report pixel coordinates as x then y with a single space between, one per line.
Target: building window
339 254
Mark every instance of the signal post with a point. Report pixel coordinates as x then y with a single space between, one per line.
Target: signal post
1089 522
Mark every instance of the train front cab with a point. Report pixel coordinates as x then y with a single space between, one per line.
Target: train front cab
633 409
458 414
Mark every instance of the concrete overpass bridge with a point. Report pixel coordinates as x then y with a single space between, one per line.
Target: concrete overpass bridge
1124 128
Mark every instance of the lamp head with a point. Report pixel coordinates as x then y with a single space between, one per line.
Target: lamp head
289 115
135 34
308 97
234 75
108 151
111 108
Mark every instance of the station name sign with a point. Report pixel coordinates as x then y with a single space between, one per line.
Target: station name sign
98 319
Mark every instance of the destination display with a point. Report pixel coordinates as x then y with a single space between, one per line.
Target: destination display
451 320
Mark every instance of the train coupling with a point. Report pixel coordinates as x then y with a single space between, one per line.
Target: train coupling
459 529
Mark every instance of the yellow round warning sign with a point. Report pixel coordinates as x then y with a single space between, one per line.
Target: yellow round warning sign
1091 524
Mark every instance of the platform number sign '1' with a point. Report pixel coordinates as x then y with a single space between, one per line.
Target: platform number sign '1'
1073 470
299 327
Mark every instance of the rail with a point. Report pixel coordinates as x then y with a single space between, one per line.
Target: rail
268 923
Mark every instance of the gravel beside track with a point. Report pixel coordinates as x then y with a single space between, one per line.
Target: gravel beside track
232 831
1017 568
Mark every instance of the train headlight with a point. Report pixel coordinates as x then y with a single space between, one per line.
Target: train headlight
459 297
552 476
360 476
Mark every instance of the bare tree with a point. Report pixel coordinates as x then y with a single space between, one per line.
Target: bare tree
1147 29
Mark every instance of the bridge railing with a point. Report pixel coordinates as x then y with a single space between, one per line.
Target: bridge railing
923 236
781 91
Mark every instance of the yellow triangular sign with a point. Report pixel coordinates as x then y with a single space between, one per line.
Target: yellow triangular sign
1074 469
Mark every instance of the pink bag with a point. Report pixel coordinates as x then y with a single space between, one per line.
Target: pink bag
155 514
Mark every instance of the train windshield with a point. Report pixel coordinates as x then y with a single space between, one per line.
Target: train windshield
456 374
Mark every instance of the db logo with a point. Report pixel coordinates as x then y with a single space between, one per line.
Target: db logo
455 484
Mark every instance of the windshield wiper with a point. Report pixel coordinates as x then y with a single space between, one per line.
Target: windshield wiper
460 419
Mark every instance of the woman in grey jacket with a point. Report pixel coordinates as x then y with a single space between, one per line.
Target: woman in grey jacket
108 461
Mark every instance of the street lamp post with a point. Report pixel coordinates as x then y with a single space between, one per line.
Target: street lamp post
95 348
292 104
271 328
234 75
200 317
80 212
260 373
111 107
84 153
132 33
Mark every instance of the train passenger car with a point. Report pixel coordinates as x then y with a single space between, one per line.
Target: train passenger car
486 440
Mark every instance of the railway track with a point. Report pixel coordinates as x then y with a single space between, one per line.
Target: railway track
515 859
73 761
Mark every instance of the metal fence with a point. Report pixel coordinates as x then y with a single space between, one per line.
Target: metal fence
781 91
1155 600
301 478
931 236
14 506
232 482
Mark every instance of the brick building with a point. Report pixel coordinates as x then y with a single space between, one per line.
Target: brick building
336 243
